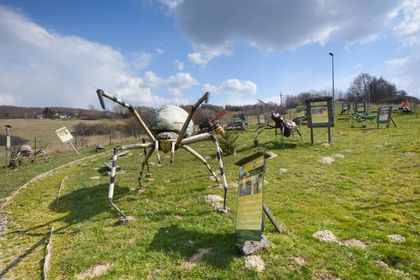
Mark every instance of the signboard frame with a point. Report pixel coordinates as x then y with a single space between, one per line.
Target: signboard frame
327 102
357 107
65 137
250 201
300 113
345 107
259 120
381 112
254 166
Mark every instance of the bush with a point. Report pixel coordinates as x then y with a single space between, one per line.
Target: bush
228 142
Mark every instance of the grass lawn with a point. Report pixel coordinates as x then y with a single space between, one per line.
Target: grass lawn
372 192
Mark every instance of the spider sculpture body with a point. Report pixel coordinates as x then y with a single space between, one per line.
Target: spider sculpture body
171 129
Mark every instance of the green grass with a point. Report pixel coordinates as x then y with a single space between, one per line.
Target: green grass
374 191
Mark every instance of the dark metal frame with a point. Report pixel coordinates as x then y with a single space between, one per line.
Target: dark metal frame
328 124
383 111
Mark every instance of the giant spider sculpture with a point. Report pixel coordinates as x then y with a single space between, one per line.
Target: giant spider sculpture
171 129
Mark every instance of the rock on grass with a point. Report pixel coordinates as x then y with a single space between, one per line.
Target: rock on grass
337 156
299 261
326 160
254 263
94 271
354 243
325 236
410 154
396 238
214 200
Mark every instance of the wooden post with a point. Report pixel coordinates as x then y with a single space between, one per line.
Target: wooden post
312 135
8 145
329 134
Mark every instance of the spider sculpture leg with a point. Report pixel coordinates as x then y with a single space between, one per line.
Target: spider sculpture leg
298 132
204 98
145 163
203 160
145 153
101 94
114 170
211 137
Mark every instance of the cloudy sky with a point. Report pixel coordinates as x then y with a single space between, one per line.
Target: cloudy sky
153 52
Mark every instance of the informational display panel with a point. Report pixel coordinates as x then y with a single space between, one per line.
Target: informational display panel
360 107
249 217
64 134
384 115
345 107
319 112
261 120
300 112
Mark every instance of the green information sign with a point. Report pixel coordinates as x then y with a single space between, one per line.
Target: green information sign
250 216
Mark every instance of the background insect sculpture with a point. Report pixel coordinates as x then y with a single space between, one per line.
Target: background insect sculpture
171 129
286 127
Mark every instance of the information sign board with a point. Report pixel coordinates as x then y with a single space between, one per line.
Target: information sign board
249 217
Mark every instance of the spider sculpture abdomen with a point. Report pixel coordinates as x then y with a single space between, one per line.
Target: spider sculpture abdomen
170 118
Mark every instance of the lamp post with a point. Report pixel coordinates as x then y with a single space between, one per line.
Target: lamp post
332 72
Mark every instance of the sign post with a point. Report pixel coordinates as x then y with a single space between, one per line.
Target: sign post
251 206
65 136
8 145
385 116
320 114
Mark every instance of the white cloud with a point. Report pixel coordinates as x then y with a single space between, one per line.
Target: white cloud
42 68
204 54
170 4
409 27
140 61
404 72
6 99
233 89
181 81
398 62
174 85
179 65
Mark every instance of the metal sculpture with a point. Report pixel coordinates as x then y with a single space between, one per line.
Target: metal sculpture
171 129
286 127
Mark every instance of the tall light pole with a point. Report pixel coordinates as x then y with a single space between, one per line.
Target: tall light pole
332 71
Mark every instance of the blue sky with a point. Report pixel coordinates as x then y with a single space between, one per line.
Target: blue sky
152 52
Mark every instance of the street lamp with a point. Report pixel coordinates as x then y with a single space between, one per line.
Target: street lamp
332 71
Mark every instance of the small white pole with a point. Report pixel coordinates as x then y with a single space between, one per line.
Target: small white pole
74 148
